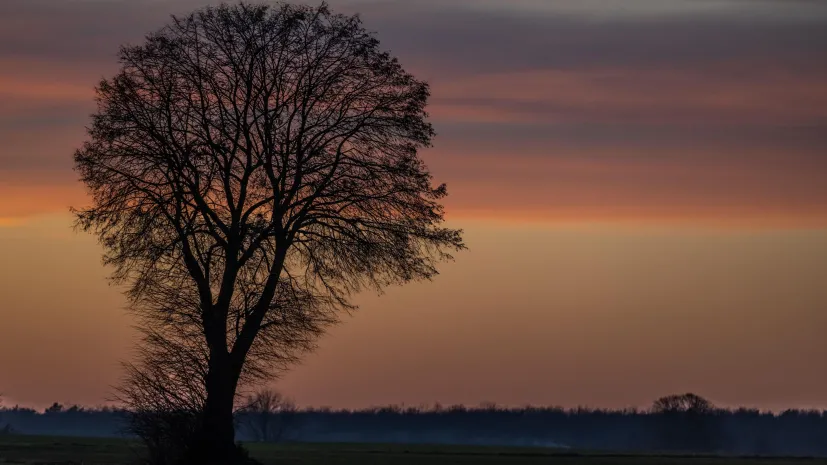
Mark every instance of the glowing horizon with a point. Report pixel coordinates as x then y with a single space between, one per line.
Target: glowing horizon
642 186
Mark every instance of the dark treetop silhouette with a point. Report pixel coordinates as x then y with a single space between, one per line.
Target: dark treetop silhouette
251 167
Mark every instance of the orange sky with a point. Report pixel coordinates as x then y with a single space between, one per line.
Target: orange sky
642 189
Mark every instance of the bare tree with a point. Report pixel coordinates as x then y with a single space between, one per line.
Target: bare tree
683 403
686 423
267 415
251 168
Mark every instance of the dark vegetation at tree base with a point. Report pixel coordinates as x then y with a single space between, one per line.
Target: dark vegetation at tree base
739 432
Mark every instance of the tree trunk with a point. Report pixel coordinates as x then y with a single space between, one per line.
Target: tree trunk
215 437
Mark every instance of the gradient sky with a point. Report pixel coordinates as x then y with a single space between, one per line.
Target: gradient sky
643 185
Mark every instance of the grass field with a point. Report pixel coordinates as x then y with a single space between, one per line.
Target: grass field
32 450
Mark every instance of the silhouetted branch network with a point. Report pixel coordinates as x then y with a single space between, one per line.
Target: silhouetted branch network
251 168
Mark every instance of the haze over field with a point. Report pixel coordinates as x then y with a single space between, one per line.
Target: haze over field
641 184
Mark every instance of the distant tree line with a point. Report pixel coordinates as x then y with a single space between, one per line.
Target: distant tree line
684 423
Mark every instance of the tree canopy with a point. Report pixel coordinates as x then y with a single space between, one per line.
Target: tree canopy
251 168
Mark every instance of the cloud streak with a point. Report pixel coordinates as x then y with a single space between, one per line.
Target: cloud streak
579 107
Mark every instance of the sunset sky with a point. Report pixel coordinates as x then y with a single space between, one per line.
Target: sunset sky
643 186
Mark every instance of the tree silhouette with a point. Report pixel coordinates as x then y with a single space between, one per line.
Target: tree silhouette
683 403
267 414
687 423
54 408
251 167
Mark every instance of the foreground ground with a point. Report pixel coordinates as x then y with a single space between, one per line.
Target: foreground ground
39 450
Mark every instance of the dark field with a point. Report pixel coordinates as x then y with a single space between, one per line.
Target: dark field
45 450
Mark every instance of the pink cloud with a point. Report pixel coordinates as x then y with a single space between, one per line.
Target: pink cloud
722 95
